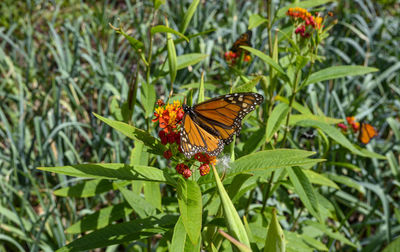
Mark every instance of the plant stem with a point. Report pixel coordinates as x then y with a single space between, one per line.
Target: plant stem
271 179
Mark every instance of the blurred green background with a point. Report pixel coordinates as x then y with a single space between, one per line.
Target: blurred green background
60 61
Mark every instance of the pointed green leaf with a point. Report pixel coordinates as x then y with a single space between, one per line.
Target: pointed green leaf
267 59
138 204
304 189
248 86
275 240
163 28
235 225
256 20
272 159
338 72
190 207
100 219
179 236
186 60
276 119
121 233
85 189
188 15
112 171
154 145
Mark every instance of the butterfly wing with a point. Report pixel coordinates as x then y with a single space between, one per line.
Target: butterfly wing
367 132
243 40
222 116
195 139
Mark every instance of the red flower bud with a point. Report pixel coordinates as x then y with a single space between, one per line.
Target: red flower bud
168 154
180 168
163 137
187 173
204 169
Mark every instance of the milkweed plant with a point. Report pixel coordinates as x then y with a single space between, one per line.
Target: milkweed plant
266 191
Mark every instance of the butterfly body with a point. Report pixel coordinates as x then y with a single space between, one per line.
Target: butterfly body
208 126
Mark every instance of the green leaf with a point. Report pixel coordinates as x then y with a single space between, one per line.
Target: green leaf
190 207
188 15
179 236
327 231
232 219
255 141
338 72
148 99
186 60
154 145
256 20
324 119
201 89
112 171
346 181
141 207
137 45
272 159
393 246
278 115
172 61
85 189
100 219
303 4
275 240
158 3
163 28
304 189
267 59
152 194
248 86
316 178
121 233
207 85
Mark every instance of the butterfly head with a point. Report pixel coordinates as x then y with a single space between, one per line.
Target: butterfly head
186 108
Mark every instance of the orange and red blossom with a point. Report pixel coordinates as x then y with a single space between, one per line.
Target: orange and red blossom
167 154
231 57
168 116
305 19
204 169
352 121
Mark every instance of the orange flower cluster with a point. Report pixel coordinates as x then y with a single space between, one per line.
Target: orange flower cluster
308 20
231 57
170 118
351 120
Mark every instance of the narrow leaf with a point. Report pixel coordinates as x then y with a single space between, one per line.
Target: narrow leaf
278 115
188 15
163 28
190 207
338 72
154 145
267 59
304 189
256 20
235 225
275 240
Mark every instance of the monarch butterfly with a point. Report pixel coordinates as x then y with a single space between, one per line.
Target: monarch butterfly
243 40
367 132
208 126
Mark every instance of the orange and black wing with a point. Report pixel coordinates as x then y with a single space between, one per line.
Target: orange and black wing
243 40
195 139
367 132
222 116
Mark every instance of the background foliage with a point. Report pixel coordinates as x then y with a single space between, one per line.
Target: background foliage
60 62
